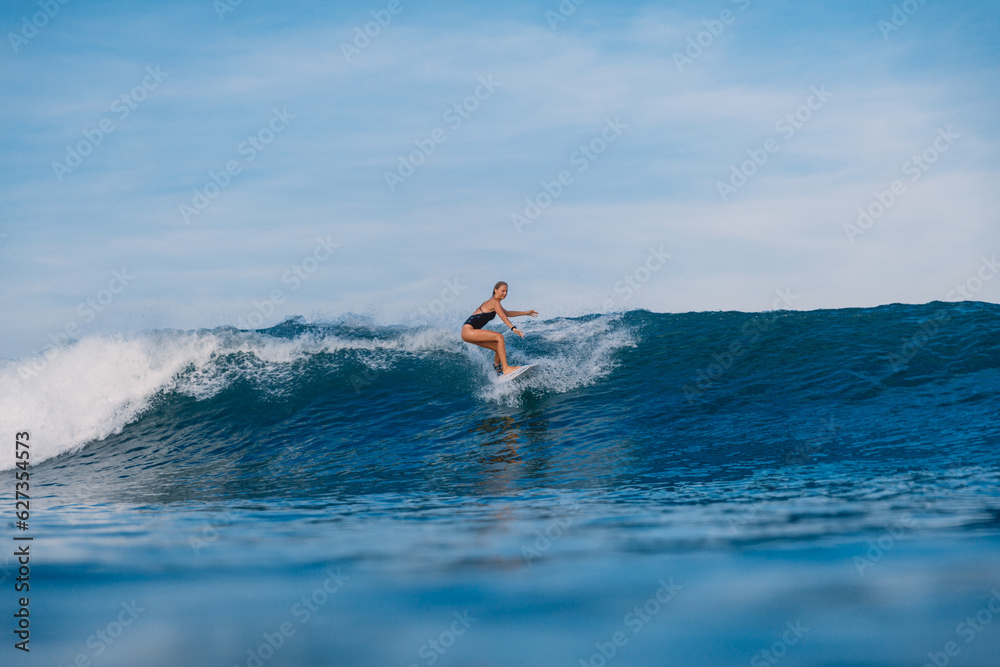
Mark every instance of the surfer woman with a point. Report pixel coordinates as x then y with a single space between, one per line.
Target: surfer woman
472 330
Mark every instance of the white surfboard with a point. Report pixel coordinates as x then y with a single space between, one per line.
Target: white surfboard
520 371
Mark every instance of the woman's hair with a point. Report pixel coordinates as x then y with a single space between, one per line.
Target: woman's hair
497 286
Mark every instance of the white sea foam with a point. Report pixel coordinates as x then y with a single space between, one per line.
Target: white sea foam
584 355
96 386
90 389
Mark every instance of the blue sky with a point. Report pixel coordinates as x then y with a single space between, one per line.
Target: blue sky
309 225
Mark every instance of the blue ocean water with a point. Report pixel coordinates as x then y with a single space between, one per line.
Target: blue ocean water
802 488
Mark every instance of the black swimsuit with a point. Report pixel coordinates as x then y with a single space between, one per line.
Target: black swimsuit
479 320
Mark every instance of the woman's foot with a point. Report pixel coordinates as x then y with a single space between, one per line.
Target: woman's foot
510 369
498 368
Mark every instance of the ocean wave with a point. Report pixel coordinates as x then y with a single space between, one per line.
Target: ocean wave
96 386
634 377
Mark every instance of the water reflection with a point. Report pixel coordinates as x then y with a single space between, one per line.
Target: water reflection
501 438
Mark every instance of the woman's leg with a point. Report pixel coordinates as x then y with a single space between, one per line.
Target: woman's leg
491 340
496 354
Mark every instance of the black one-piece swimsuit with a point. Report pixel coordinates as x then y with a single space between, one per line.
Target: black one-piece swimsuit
479 320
